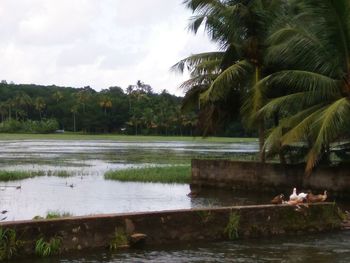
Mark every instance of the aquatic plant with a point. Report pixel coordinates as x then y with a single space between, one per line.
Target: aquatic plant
166 174
19 175
58 173
232 226
119 239
9 244
48 248
205 215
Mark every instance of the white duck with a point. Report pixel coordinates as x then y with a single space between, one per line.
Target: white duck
302 197
293 196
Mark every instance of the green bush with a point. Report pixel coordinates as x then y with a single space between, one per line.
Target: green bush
29 126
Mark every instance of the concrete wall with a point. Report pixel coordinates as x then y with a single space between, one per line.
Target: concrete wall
269 177
180 226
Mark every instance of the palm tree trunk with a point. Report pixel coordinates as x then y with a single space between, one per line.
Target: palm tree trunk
74 123
9 112
261 122
262 140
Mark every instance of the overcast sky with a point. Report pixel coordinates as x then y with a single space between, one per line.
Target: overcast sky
100 43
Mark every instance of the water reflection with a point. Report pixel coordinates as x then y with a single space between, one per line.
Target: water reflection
88 161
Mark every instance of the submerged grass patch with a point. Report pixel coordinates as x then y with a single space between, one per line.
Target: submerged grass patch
20 175
167 174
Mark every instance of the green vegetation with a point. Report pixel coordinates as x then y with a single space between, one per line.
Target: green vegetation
167 174
53 215
119 239
286 65
18 175
57 214
9 244
136 111
126 138
232 226
48 248
28 126
205 216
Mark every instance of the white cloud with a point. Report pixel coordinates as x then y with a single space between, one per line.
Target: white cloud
100 43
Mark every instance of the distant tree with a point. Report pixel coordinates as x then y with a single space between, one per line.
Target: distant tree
23 101
57 96
74 110
105 103
40 105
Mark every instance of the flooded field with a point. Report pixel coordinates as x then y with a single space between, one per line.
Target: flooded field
86 191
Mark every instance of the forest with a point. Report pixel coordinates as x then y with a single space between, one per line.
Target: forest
138 110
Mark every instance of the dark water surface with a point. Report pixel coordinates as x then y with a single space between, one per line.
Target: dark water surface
323 248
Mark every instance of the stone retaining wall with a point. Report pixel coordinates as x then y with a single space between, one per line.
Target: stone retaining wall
269 177
174 227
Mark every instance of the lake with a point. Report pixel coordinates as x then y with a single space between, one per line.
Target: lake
86 192
87 161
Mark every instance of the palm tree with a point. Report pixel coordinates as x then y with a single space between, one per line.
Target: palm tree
23 101
3 110
105 103
57 96
240 28
315 104
74 110
39 104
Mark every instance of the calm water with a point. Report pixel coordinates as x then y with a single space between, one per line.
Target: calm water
87 161
325 248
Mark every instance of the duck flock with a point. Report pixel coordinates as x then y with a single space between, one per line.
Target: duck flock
295 199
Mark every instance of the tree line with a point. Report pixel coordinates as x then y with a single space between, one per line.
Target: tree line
285 64
139 110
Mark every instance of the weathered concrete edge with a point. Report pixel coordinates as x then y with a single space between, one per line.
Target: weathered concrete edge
178 226
269 177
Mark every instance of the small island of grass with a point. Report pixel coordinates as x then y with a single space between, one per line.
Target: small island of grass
166 174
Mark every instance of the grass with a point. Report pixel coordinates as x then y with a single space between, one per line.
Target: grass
20 175
119 239
167 174
118 137
9 243
232 226
53 215
47 248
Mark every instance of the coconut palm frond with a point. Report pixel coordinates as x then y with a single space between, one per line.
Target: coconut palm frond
192 61
226 80
329 125
300 124
299 80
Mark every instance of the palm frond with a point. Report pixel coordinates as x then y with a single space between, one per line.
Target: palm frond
330 124
229 78
192 61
